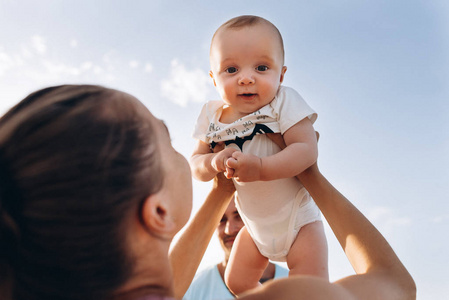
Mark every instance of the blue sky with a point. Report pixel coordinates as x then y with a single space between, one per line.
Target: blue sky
377 73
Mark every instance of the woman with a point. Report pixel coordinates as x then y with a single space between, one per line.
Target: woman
92 193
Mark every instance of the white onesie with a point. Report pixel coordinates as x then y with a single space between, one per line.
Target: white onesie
273 211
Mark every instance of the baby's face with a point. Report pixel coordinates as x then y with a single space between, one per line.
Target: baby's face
247 66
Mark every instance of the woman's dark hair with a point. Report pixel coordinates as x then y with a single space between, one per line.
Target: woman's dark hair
75 162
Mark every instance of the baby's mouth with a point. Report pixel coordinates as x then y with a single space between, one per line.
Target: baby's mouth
247 95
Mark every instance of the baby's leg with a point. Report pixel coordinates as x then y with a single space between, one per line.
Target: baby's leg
308 254
246 265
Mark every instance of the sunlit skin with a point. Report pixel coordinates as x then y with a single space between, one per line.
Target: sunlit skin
160 216
227 230
247 68
177 180
230 225
381 274
161 267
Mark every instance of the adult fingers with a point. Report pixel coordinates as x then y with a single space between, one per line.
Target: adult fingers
218 147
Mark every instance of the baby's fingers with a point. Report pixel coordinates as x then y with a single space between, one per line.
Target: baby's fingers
231 163
229 173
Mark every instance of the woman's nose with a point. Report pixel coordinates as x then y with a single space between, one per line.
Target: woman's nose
232 228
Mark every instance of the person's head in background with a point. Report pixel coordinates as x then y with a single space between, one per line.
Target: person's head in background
229 227
80 166
227 230
247 63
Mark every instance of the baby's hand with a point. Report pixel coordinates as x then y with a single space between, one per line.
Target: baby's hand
246 167
219 160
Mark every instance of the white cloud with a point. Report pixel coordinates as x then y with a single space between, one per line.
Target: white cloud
26 53
55 68
440 219
24 56
109 59
185 85
148 68
87 65
98 70
26 63
134 64
39 44
73 43
19 61
6 62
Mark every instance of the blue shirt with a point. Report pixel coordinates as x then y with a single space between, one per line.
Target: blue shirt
208 285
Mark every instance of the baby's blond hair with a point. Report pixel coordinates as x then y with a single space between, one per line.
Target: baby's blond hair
248 21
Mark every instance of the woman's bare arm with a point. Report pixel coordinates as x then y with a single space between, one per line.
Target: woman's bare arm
186 253
201 162
380 273
300 143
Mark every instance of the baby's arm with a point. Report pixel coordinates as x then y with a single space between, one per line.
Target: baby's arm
205 164
301 143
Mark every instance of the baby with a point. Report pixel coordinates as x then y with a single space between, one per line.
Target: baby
282 222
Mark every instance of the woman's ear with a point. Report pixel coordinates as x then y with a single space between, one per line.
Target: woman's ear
156 218
212 76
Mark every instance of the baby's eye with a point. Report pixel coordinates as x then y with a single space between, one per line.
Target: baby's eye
262 68
231 70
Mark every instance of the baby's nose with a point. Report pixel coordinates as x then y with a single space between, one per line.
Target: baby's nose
246 79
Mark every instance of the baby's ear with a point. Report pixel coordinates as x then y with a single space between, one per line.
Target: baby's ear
284 69
211 74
